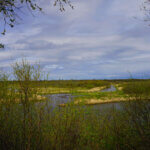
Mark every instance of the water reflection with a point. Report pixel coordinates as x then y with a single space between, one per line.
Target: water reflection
55 100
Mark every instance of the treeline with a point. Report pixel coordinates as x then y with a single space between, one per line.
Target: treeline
67 83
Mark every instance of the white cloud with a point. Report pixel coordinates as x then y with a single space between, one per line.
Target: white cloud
97 38
53 66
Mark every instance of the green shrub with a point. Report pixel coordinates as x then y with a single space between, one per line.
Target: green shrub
35 126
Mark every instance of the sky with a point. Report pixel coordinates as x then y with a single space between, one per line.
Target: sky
98 39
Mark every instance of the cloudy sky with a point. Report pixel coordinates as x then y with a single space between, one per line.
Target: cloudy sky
99 39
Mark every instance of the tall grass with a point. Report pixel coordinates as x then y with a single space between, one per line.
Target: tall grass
26 125
138 89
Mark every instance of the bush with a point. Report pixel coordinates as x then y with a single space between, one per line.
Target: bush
28 125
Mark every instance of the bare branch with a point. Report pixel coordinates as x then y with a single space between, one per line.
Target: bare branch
9 9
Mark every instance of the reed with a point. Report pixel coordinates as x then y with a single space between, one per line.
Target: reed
30 125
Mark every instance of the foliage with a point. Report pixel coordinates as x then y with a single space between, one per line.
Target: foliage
138 89
86 84
71 127
100 95
1 46
25 74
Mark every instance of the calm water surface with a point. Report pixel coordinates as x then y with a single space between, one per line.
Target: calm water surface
111 89
54 100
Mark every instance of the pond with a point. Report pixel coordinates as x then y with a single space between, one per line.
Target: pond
55 100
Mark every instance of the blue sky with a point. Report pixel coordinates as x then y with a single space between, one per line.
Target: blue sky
99 39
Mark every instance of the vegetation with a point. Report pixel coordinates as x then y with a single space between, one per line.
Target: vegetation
101 95
140 89
86 84
1 46
28 125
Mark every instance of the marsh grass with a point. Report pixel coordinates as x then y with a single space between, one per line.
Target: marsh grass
36 126
139 90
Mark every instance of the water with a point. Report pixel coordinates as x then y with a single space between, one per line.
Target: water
111 89
55 100
116 105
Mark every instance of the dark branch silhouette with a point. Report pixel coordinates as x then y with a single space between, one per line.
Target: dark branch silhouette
9 9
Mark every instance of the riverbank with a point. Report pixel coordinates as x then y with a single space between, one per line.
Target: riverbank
97 101
94 96
36 98
97 95
100 101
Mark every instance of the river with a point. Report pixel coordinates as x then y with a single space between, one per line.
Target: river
54 100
